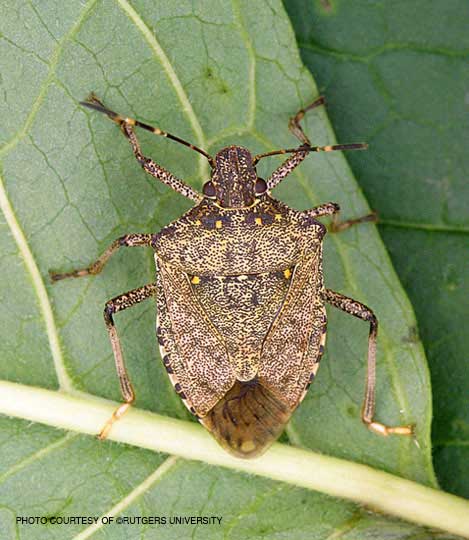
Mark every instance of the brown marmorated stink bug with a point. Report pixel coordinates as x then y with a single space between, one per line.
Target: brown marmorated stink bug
241 319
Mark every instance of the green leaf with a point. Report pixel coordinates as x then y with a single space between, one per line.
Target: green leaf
395 74
385 492
213 73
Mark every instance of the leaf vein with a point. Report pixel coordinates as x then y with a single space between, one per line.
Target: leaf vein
119 507
172 76
252 64
49 78
38 455
430 227
65 383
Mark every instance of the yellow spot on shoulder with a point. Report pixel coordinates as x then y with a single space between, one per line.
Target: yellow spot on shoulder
218 224
287 273
198 222
258 221
278 217
195 280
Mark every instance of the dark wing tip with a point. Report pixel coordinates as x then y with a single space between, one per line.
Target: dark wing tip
247 420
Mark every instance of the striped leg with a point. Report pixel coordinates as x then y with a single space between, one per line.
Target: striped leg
294 125
333 209
300 153
119 303
352 307
128 240
155 170
149 165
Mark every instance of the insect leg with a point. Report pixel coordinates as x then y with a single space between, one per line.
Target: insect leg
326 209
155 170
352 307
148 165
295 127
338 226
128 240
93 102
333 209
285 168
302 151
119 303
294 124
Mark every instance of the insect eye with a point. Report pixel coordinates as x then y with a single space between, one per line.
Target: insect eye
209 190
260 186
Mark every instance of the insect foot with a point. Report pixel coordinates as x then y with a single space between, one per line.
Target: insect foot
240 296
381 429
116 415
338 226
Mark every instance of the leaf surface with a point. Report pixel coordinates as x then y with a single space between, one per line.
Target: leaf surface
215 74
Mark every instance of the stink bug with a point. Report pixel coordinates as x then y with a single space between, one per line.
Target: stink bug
241 320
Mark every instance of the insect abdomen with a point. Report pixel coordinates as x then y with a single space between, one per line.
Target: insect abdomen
248 419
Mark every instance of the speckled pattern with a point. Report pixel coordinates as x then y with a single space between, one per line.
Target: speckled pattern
241 322
285 169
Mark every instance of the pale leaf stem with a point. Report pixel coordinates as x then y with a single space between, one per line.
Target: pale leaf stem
378 490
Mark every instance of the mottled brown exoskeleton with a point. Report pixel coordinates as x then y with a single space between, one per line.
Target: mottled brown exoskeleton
241 319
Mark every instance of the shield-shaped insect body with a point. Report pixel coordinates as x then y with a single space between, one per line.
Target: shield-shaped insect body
241 319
